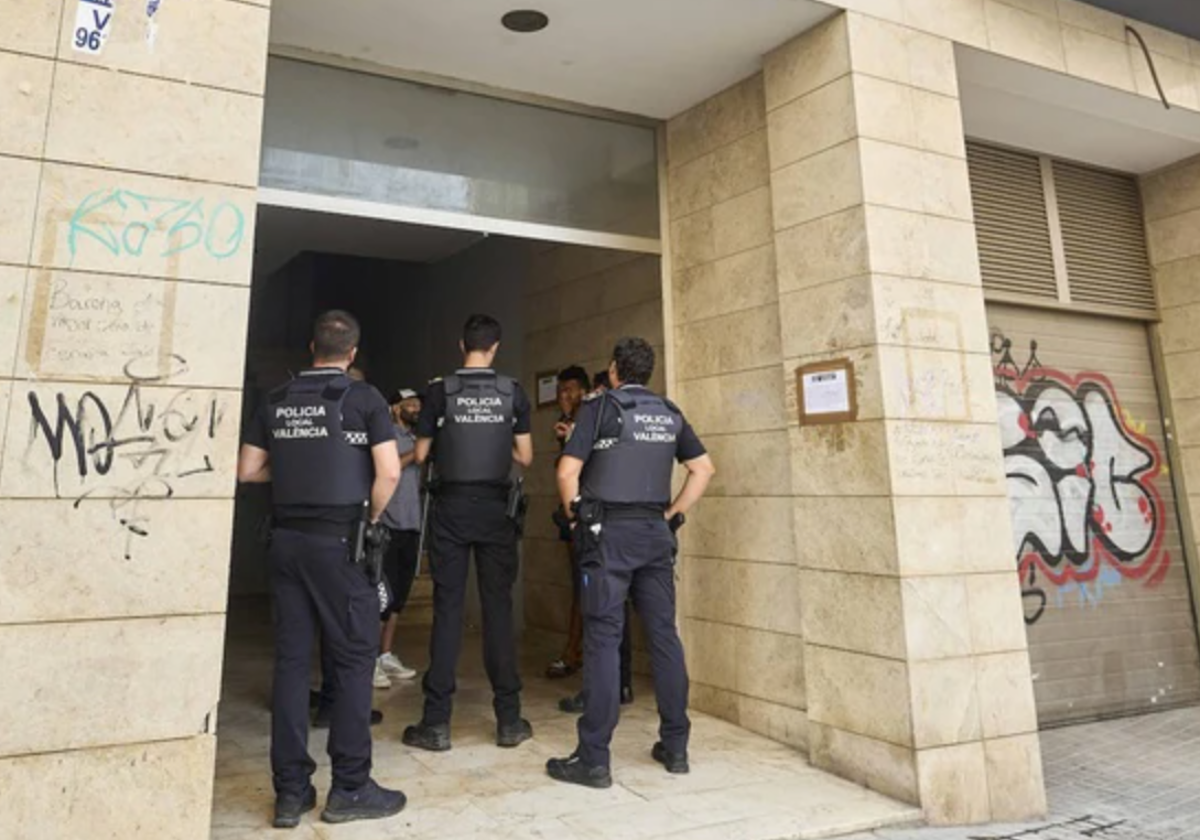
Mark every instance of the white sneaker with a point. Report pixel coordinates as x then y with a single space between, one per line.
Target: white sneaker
394 667
381 678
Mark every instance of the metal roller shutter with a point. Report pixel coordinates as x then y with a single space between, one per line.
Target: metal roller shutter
1104 582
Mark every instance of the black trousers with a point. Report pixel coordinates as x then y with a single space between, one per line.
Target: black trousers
400 567
626 635
314 585
458 525
630 557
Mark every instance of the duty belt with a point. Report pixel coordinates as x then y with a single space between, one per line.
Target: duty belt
477 491
318 527
633 511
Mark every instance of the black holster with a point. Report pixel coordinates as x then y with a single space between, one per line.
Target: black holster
517 505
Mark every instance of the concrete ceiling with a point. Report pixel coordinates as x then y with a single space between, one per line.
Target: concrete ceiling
1177 15
655 58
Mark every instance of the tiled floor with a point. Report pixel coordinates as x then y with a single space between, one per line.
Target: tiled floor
742 787
1131 779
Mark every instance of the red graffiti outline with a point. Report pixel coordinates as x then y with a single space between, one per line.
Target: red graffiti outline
1156 562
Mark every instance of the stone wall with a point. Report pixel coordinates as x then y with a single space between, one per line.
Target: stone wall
126 237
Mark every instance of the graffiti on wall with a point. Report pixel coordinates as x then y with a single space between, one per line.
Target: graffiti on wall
1083 491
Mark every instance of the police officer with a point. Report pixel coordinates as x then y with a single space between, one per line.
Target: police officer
615 475
476 422
326 444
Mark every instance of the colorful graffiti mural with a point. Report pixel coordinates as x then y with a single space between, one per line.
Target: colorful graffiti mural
1083 491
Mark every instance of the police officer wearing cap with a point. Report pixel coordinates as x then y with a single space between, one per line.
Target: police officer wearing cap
615 476
326 444
476 424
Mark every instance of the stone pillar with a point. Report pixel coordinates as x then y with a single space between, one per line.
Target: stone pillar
917 673
127 178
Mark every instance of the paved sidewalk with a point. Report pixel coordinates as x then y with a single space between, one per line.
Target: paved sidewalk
1131 779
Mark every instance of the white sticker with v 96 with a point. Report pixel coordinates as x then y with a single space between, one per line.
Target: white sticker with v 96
93 22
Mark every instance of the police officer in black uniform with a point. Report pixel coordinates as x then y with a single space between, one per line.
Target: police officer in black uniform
326 444
476 423
615 476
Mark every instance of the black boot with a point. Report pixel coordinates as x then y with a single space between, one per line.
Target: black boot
572 705
513 734
626 695
573 771
370 802
289 809
425 736
676 763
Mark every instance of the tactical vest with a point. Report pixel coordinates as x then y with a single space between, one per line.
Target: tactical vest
634 467
314 461
475 439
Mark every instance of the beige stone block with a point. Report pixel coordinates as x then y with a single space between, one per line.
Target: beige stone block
1092 19
712 654
177 776
847 459
545 560
729 228
6 391
24 101
565 263
945 459
898 113
763 596
931 315
1174 238
1177 77
1164 42
1016 783
738 341
117 223
1006 694
97 118
1044 8
830 318
806 63
143 558
1097 58
18 198
1027 37
937 624
752 401
910 244
817 121
830 248
958 20
782 724
1179 329
133 443
947 536
861 613
1171 191
742 281
207 42
909 179
720 175
997 617
846 534
710 700
1183 376
921 384
742 529
900 54
881 766
12 293
750 464
109 328
147 680
953 783
770 666
627 285
867 381
866 695
733 113
31 26
820 185
945 702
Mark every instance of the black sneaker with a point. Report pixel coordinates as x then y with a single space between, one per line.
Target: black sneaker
369 802
289 809
432 737
513 734
321 718
573 771
572 705
626 695
674 762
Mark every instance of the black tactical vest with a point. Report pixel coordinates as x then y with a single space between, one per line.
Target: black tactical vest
634 467
313 460
475 438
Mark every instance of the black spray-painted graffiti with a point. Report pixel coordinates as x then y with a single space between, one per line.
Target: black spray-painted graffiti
129 451
1086 510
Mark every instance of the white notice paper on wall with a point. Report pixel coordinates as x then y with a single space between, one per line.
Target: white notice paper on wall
826 392
547 388
93 22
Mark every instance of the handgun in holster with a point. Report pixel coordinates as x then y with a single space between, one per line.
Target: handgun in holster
589 518
370 544
517 505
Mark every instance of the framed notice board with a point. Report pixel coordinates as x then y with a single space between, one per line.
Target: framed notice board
545 388
825 392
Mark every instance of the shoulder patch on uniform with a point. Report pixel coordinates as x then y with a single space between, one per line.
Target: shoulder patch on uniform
671 405
435 380
623 399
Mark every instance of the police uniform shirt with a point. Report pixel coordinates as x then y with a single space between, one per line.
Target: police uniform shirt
364 410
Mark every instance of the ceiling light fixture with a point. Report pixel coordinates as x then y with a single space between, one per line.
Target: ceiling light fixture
525 21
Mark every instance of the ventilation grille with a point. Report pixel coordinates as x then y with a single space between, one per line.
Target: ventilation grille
1103 238
1015 254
